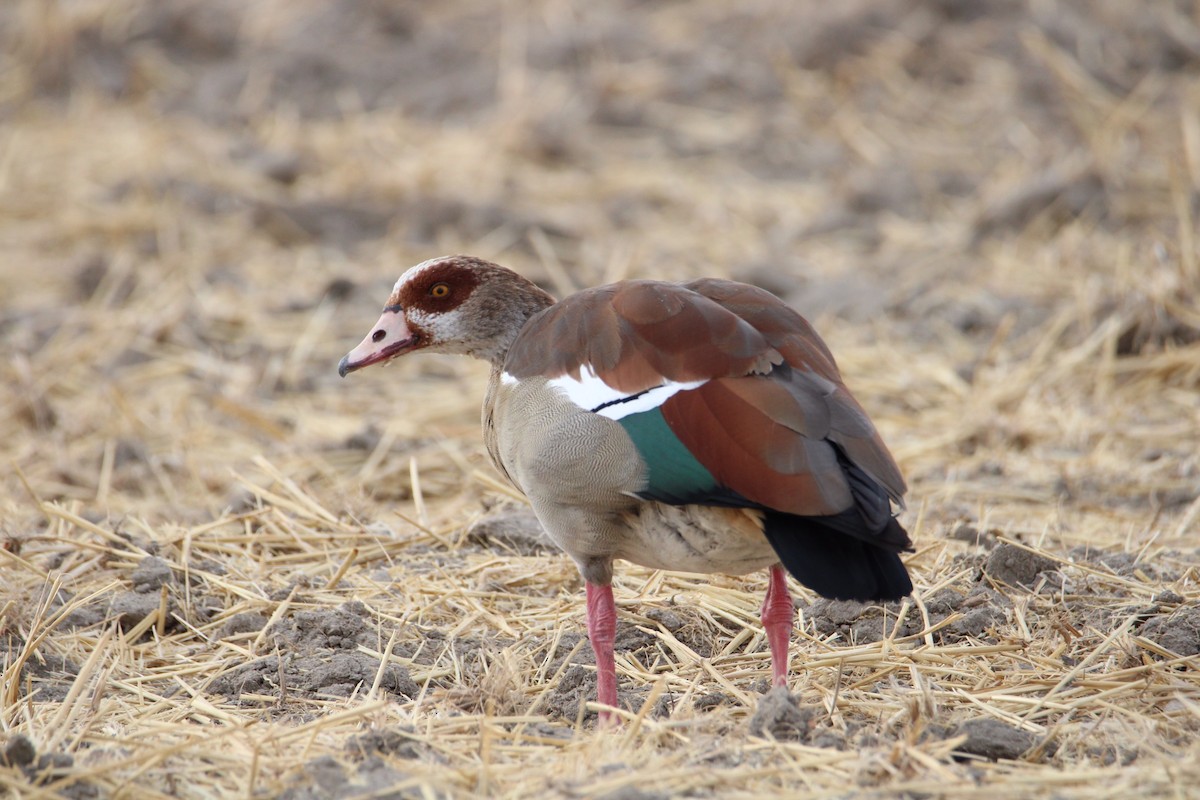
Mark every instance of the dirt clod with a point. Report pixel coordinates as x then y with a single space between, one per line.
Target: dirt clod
780 715
577 685
1016 566
667 618
85 616
707 702
972 535
1168 598
49 674
318 656
859 622
324 673
1178 632
18 751
993 739
325 778
385 741
335 628
151 574
246 622
1119 563
130 608
828 615
983 609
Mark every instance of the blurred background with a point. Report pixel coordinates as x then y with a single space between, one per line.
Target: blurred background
988 207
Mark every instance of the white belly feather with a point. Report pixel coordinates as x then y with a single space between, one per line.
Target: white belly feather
696 539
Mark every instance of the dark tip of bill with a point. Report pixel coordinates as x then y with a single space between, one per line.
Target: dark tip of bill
344 366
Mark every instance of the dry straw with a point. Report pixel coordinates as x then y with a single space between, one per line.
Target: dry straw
1009 284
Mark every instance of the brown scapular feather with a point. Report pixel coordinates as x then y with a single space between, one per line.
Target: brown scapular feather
775 412
638 334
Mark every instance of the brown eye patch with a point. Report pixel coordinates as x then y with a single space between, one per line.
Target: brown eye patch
440 287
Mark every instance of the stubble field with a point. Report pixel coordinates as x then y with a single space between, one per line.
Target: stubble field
224 572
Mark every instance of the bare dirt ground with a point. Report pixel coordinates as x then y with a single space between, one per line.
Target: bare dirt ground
226 572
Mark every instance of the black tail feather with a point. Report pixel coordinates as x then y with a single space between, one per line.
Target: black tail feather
859 566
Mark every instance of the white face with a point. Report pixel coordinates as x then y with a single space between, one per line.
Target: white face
438 327
424 311
437 300
451 304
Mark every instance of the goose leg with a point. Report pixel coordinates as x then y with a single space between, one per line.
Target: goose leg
602 630
777 614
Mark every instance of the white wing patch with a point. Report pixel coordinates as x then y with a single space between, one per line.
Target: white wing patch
592 393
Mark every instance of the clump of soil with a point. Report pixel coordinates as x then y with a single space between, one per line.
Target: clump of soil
85 616
151 574
712 700
326 778
689 627
318 673
19 752
857 622
990 738
323 629
130 608
574 689
245 622
49 674
780 715
317 656
975 615
972 535
1178 632
1016 566
1120 563
398 742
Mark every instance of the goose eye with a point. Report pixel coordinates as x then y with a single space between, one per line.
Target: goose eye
439 290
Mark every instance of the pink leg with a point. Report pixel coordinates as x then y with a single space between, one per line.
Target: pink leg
602 630
777 613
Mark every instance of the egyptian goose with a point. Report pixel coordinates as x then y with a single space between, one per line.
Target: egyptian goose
699 426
